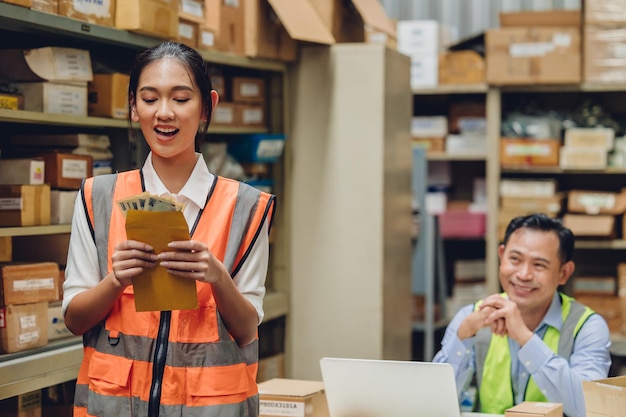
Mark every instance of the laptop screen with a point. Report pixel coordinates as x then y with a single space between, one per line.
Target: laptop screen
384 388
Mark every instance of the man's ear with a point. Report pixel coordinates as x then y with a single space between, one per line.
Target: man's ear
566 272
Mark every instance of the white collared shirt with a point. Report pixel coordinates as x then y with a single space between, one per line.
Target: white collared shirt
82 271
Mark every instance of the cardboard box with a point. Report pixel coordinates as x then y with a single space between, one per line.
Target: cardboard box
66 170
24 283
461 67
248 90
24 205
591 158
23 405
206 38
550 18
433 145
596 202
595 286
526 151
6 248
22 171
550 205
108 95
50 63
535 409
62 206
23 327
604 12
25 3
604 61
226 18
605 397
191 10
528 188
590 137
150 17
419 37
533 55
11 101
250 115
56 322
424 71
302 398
47 6
56 98
274 27
225 114
98 12
596 226
188 32
346 20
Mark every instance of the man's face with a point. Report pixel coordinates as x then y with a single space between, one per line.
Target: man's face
531 270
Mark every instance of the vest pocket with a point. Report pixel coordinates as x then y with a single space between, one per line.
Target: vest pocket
199 325
109 374
231 380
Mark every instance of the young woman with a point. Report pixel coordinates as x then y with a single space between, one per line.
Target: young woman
170 363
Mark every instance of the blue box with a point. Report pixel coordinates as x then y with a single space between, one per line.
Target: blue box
259 147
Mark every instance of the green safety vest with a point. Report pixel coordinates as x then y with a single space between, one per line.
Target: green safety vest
493 358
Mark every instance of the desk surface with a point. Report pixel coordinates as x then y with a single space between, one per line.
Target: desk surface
480 415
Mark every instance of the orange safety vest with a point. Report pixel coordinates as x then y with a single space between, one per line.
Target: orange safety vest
171 363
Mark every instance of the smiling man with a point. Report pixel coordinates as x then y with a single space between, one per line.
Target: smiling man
530 342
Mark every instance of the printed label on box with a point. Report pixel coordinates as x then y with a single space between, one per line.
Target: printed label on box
530 49
73 64
11 103
74 168
3 323
249 90
185 30
281 408
28 322
223 115
194 8
208 38
33 284
28 337
533 149
269 149
99 8
11 203
252 116
231 3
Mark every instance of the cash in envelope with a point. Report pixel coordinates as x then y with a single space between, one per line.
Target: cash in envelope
149 202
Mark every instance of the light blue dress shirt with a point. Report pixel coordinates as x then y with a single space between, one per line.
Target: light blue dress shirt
559 380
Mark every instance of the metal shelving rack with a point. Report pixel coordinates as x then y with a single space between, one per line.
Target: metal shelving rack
60 360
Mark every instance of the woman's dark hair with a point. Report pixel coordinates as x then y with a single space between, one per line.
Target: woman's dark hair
540 221
190 59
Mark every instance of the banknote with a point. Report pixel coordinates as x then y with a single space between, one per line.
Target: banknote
149 202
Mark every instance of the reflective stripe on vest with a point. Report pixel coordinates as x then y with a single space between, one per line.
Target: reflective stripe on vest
204 371
493 359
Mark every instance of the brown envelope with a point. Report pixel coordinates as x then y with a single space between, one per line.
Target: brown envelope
155 288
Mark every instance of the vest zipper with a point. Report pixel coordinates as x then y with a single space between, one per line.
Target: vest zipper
158 364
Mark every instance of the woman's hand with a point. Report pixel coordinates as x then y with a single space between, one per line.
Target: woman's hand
130 258
192 259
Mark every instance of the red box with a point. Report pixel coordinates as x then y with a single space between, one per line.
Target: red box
461 223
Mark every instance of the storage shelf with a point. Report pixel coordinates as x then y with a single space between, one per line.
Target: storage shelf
275 304
52 229
600 244
32 117
453 89
55 363
454 157
21 19
59 361
557 170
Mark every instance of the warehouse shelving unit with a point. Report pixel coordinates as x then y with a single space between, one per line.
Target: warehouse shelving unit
59 361
494 172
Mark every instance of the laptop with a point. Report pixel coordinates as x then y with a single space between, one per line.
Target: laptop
383 388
